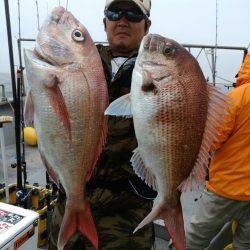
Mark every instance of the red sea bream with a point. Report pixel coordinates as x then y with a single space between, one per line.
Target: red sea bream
67 99
175 113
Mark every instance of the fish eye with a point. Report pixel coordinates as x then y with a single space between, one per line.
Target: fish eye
77 35
167 50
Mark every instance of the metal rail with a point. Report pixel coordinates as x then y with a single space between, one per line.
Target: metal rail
214 56
198 46
187 46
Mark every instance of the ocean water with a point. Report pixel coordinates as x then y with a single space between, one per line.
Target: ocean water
5 79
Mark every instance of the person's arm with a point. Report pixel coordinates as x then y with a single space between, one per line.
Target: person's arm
226 129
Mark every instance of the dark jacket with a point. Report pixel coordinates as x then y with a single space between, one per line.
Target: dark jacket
115 207
113 168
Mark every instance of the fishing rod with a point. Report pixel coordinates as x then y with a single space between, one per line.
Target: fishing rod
15 99
21 93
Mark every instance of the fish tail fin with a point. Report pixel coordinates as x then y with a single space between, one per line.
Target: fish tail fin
173 219
77 217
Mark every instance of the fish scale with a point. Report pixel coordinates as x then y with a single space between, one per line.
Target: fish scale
175 112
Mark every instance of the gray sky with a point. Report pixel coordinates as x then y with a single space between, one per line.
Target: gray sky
186 21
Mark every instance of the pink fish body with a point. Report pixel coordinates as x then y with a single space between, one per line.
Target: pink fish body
68 97
175 124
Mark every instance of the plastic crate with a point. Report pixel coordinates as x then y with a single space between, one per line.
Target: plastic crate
37 203
18 228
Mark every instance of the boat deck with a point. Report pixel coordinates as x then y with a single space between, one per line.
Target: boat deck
36 174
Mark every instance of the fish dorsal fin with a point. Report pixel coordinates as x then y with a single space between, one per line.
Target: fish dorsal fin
218 104
120 107
141 170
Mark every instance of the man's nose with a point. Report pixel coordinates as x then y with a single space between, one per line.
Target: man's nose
123 22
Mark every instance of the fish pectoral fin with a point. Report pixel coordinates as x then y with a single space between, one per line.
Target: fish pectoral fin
141 170
29 111
148 82
58 104
120 107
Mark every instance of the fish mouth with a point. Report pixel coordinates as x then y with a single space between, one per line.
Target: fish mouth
41 57
54 18
146 67
150 63
57 14
160 75
166 78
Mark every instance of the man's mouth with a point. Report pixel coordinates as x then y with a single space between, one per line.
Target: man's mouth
122 33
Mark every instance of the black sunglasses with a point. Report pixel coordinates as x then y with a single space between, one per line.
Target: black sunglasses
115 15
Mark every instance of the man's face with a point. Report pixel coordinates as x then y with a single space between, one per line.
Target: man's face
125 36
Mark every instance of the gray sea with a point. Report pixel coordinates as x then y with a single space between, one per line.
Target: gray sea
5 80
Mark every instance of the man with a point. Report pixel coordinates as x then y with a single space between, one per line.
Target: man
116 195
227 193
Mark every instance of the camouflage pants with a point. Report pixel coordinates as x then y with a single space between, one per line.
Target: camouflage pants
116 215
